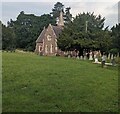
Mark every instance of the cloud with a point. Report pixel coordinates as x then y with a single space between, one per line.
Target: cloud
119 12
0 11
12 9
112 15
109 10
60 1
106 9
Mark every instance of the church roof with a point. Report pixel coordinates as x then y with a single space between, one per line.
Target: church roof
41 36
57 31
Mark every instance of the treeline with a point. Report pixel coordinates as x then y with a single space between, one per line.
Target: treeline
85 31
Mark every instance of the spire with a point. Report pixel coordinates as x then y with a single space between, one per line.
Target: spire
44 28
61 20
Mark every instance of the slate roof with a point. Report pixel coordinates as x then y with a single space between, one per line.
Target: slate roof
57 30
41 36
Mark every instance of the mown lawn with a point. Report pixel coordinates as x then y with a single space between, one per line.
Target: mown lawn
53 84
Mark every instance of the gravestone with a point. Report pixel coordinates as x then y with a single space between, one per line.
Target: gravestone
96 60
85 57
96 55
91 56
109 56
81 57
69 56
77 57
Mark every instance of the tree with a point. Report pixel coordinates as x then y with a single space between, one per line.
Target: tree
56 10
8 38
58 7
67 15
116 37
85 32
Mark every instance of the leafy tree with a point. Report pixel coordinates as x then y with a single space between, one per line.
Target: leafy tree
67 15
116 37
65 41
58 7
85 32
56 10
8 38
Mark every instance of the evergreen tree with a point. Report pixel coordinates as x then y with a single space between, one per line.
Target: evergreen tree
56 10
67 15
8 38
116 38
85 32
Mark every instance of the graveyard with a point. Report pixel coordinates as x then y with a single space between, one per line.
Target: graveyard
33 83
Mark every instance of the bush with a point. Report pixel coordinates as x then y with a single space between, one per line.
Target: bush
114 51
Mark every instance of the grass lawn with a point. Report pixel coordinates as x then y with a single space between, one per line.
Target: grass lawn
52 84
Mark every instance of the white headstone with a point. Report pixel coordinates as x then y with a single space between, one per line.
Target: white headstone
85 57
109 56
112 56
81 57
118 55
91 58
96 60
68 56
77 57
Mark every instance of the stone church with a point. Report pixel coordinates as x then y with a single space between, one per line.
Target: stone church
46 44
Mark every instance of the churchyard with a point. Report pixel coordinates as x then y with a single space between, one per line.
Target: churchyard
33 83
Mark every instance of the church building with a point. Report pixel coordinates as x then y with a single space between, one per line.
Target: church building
46 44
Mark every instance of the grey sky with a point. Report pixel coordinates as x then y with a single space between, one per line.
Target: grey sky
109 10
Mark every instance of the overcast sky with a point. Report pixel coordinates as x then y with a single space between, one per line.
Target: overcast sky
106 8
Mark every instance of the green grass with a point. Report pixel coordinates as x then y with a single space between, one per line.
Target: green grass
52 84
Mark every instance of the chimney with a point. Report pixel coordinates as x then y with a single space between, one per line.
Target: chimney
61 20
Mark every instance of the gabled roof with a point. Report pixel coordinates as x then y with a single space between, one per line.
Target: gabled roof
57 30
41 36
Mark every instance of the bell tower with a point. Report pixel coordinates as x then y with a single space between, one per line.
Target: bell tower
61 20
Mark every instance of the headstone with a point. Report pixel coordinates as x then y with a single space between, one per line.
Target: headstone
109 56
77 57
69 56
91 57
96 60
81 57
85 57
117 55
113 61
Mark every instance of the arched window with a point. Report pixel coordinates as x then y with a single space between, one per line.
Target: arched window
51 48
48 37
46 49
40 48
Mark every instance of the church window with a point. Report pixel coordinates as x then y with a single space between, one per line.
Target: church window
46 49
40 48
51 48
56 48
48 37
